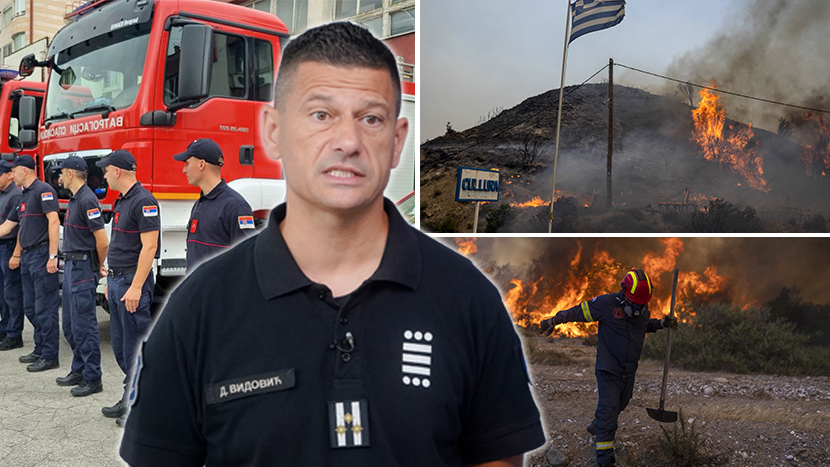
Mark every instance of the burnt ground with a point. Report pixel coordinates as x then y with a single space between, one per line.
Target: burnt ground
653 160
745 420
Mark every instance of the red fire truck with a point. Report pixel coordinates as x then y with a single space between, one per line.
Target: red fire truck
11 90
150 76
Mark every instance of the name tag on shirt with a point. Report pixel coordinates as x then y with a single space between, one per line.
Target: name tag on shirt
249 386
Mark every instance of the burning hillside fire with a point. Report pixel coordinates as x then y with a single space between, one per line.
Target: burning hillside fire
591 272
534 203
815 139
733 149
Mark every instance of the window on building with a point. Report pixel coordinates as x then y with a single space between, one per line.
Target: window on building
8 14
403 21
348 8
19 40
228 76
375 26
261 5
19 7
8 49
294 13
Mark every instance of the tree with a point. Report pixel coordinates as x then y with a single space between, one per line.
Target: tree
529 149
688 91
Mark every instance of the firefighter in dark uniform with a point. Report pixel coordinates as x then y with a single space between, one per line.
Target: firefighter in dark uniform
36 254
84 249
220 217
132 249
12 288
340 335
624 319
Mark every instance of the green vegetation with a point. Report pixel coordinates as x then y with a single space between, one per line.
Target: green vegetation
725 338
721 216
683 446
497 217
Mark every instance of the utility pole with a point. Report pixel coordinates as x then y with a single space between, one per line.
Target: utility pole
610 127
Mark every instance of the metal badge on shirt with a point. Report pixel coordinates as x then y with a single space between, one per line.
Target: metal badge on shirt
349 423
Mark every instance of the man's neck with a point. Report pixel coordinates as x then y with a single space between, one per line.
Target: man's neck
128 186
28 182
74 187
209 184
340 250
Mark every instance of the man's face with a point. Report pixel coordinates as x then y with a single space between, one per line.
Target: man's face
111 176
19 175
338 136
64 178
192 170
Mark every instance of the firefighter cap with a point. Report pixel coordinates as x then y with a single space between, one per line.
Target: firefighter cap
74 163
24 161
121 158
5 167
202 148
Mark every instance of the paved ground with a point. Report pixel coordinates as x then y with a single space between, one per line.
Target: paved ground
42 425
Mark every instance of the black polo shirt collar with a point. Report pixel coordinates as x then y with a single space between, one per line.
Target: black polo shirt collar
10 187
132 191
278 274
215 191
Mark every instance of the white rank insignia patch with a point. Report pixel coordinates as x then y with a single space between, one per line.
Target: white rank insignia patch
349 424
93 213
46 196
417 358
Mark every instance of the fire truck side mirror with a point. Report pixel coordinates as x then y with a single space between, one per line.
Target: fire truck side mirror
28 138
196 63
28 113
27 65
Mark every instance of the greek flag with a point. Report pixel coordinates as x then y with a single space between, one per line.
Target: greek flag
594 15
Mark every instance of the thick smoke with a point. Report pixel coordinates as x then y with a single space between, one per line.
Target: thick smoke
773 49
755 269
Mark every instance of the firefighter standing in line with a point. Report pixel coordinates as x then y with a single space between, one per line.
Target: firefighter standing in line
84 249
624 320
220 217
36 254
132 248
11 285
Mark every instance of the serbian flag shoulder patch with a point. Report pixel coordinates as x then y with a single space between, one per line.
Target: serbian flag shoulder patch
48 196
246 222
93 213
150 211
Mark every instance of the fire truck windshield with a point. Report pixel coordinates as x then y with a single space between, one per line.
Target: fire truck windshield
97 75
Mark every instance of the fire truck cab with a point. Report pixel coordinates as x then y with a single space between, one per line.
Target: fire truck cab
151 76
11 91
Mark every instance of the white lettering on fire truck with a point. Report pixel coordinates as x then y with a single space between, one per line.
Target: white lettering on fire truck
238 129
123 23
83 127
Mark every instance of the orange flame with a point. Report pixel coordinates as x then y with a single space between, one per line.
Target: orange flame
535 202
530 303
466 246
734 150
816 156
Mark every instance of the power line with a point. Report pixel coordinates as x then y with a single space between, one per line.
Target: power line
528 118
723 91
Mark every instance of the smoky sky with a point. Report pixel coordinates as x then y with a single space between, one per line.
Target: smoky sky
756 268
773 49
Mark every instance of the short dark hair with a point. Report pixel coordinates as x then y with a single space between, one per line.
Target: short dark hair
341 44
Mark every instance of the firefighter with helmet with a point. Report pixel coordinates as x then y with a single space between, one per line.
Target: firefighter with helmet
624 320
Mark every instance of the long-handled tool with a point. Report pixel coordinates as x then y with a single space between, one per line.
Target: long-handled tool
659 414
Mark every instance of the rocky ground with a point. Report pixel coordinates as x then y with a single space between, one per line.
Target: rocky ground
743 420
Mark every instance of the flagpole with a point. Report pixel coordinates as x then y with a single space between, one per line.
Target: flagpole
559 118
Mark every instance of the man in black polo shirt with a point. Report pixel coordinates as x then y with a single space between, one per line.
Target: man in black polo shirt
12 305
36 254
339 335
132 248
220 217
84 249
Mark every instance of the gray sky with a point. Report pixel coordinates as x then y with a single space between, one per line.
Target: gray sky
477 55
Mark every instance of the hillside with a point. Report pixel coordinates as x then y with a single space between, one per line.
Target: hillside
654 158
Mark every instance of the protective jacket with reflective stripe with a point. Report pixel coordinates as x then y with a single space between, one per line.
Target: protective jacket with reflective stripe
620 337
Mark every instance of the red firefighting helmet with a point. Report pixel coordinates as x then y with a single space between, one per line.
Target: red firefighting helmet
636 286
